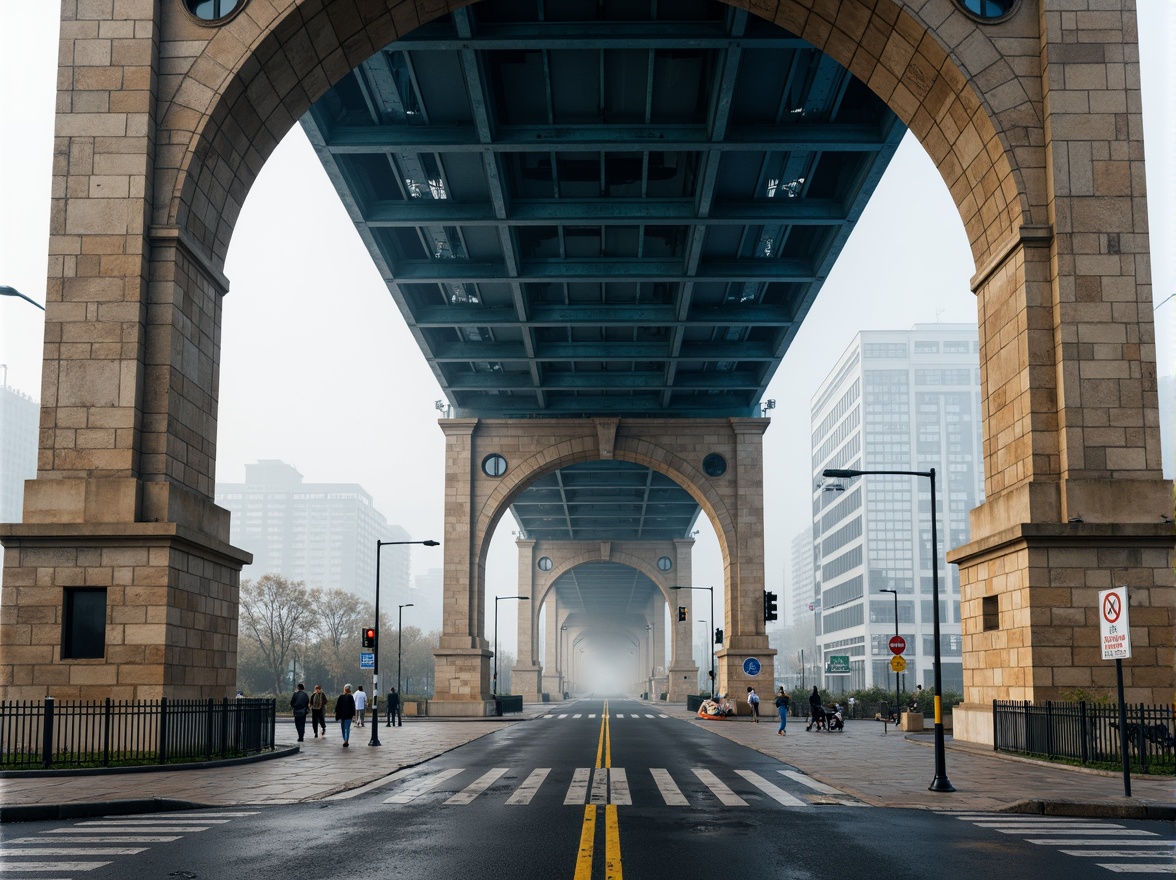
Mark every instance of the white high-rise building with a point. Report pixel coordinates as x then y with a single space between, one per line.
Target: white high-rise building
896 400
799 588
19 417
321 533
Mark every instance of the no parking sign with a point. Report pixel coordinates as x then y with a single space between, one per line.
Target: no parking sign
1113 628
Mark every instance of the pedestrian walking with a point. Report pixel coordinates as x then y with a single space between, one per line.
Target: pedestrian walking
345 713
753 701
360 705
394 719
816 712
783 701
318 711
300 703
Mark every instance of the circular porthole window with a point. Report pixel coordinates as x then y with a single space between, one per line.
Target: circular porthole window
665 564
214 10
545 563
989 10
714 465
494 465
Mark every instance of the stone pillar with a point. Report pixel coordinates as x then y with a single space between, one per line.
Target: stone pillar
462 659
553 648
122 501
1075 496
683 671
745 638
527 674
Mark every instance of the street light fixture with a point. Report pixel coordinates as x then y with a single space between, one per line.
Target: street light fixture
940 782
375 740
498 599
399 642
712 641
897 675
5 290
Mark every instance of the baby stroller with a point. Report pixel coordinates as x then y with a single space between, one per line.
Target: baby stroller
817 718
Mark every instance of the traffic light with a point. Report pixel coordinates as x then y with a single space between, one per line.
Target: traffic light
718 637
769 605
681 612
369 637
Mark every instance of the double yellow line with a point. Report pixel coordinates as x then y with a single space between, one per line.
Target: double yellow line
612 831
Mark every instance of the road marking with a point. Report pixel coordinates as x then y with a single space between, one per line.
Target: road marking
428 783
72 851
563 716
578 716
152 838
476 787
1095 841
810 782
647 715
599 787
612 844
578 790
117 830
774 792
1107 853
57 866
670 792
1140 869
618 787
663 716
718 789
587 841
593 715
527 790
1112 831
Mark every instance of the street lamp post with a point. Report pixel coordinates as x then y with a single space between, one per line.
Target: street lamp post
5 290
375 740
712 638
399 642
897 679
940 782
498 599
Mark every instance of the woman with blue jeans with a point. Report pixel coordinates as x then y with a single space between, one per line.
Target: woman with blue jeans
345 712
782 702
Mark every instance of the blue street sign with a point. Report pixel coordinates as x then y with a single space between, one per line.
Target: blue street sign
751 666
367 660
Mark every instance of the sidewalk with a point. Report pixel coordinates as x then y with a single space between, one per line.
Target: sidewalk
891 770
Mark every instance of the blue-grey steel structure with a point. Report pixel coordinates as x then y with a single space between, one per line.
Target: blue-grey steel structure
618 209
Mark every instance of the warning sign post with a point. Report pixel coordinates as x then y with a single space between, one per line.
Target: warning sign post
1113 629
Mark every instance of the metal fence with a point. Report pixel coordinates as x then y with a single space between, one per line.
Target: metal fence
71 734
1088 733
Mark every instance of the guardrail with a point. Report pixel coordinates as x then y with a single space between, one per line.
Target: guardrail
508 703
1086 732
58 734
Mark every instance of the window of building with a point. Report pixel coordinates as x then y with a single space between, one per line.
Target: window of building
989 10
991 613
83 634
213 10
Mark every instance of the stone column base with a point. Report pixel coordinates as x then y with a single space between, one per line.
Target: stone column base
461 708
462 686
553 684
527 681
734 682
972 722
683 683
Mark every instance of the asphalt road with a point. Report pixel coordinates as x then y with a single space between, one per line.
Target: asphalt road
599 790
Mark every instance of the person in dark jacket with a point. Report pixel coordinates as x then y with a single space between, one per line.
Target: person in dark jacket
300 703
394 719
318 711
345 713
816 711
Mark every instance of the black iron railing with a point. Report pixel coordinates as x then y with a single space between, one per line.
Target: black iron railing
1086 732
48 734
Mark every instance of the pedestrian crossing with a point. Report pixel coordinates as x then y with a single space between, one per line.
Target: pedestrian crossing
611 785
73 850
618 716
1118 849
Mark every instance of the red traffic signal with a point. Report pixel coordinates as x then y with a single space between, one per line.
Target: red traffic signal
369 638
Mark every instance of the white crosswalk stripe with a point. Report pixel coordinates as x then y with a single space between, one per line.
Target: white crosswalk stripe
1134 850
58 853
603 785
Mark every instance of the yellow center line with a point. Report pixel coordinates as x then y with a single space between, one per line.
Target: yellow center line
612 831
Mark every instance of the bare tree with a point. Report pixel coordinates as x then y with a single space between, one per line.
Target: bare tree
338 618
274 612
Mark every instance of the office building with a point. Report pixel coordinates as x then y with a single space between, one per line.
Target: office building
19 418
323 534
894 401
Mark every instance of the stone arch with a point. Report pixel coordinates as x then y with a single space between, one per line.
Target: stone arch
262 71
638 451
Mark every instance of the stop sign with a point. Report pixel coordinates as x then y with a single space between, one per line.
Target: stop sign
897 644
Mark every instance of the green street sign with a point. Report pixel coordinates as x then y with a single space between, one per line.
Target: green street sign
837 664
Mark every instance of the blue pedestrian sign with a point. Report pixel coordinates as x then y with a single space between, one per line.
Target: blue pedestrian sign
367 660
751 666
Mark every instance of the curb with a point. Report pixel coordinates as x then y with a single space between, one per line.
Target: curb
1102 810
51 812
